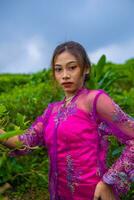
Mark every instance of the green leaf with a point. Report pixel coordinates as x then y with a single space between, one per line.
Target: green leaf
9 134
102 61
2 109
20 119
117 151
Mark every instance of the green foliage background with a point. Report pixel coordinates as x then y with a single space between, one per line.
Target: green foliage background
23 97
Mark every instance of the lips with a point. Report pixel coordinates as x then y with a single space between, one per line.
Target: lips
67 84
64 83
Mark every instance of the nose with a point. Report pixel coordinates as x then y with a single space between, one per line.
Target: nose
66 75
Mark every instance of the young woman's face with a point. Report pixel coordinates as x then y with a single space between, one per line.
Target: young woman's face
68 73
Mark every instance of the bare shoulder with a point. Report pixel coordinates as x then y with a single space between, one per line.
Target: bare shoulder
88 99
91 95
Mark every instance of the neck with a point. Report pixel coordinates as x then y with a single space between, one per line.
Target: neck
68 99
71 94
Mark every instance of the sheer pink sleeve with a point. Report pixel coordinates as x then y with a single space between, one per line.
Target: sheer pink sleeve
34 136
115 121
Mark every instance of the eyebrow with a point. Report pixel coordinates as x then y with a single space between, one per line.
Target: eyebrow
66 63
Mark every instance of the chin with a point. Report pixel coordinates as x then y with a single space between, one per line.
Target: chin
70 90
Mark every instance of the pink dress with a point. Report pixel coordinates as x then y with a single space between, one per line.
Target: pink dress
76 139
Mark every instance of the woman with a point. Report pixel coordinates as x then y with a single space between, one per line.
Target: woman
75 132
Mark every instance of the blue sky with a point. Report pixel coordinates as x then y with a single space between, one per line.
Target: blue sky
31 29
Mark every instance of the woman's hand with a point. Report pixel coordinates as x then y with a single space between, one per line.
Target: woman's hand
11 142
103 191
2 131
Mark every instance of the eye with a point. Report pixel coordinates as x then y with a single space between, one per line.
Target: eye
57 69
72 67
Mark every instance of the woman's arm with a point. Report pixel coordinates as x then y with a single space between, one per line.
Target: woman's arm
33 137
121 173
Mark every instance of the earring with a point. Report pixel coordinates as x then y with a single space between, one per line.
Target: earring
86 75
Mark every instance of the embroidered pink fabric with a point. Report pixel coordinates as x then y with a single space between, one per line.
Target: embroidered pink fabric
76 139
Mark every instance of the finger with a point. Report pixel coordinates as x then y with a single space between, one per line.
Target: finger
2 131
96 198
107 197
114 198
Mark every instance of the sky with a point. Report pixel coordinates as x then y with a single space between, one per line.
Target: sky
31 29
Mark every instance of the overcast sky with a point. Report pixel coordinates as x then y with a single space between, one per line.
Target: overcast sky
31 29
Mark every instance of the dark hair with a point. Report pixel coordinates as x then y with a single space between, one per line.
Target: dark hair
76 50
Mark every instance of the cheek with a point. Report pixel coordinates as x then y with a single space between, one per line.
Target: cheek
79 79
57 78
79 75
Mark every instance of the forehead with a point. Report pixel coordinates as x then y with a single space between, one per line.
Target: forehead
64 58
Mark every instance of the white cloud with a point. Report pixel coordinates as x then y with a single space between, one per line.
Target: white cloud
34 54
25 56
33 50
117 53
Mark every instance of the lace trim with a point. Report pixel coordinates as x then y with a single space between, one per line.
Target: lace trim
73 174
121 117
65 112
121 174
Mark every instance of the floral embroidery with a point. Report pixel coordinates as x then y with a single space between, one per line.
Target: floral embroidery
65 112
104 129
122 172
121 117
34 136
73 174
103 132
131 175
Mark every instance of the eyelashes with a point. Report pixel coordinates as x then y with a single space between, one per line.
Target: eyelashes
69 68
57 69
72 67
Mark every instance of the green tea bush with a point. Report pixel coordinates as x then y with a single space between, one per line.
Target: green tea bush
9 82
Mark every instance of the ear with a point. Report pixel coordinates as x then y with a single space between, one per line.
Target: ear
86 71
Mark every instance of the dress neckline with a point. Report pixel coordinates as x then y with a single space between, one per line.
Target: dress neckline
79 91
